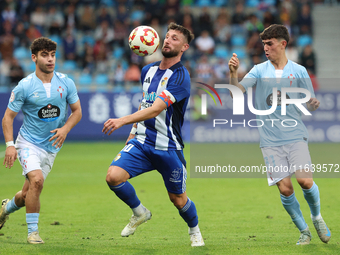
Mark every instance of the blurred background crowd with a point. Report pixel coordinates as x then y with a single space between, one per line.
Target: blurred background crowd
92 36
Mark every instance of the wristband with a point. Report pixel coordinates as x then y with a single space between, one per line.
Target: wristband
10 143
133 130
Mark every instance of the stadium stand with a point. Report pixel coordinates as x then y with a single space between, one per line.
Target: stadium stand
94 56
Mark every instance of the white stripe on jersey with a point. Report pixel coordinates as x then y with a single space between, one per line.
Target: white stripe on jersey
149 75
161 87
141 129
162 138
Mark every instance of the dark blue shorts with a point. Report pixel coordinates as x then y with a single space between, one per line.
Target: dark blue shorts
136 159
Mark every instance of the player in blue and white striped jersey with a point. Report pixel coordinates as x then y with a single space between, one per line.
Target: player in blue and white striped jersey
156 141
43 97
284 149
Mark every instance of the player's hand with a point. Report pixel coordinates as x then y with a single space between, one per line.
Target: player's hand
313 104
131 136
233 63
59 136
11 155
111 125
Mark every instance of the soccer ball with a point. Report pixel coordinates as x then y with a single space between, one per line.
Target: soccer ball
144 41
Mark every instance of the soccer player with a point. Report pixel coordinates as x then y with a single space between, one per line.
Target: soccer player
281 146
43 98
155 141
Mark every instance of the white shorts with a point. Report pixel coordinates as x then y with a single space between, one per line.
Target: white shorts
31 157
283 161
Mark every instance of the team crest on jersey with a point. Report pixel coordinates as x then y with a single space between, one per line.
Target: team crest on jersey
60 90
164 81
117 157
176 175
49 113
291 79
12 97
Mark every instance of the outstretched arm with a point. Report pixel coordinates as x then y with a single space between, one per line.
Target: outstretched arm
7 127
113 124
61 133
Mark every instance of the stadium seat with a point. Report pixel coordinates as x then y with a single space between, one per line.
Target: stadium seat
85 79
203 3
57 39
221 2
118 52
221 51
252 3
270 2
101 79
304 40
238 30
89 40
69 66
21 53
241 53
31 67
238 40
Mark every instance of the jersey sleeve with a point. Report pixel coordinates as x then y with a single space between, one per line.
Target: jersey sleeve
72 95
178 87
306 83
17 98
250 79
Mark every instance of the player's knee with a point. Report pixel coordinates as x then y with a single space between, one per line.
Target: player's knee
306 183
112 179
178 202
37 184
116 176
286 190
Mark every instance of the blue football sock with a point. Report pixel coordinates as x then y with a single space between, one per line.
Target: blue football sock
312 196
11 206
189 214
126 192
32 220
292 206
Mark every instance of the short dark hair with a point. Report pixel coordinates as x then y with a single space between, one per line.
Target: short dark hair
186 32
275 31
43 43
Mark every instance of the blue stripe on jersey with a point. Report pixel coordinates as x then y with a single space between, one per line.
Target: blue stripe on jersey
155 82
177 120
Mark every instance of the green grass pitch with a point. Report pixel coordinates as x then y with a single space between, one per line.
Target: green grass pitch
81 215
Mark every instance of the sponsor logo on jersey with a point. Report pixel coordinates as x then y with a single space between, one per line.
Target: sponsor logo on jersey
149 96
269 100
49 113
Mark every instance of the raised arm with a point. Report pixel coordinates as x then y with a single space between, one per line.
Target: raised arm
233 66
7 128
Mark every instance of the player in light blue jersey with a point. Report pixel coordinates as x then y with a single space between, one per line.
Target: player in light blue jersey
43 98
284 147
155 141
